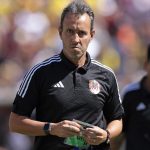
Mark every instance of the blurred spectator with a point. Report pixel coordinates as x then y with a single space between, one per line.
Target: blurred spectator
136 102
136 122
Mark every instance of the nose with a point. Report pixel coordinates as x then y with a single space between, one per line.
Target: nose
75 38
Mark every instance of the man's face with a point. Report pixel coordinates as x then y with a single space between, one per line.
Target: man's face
76 35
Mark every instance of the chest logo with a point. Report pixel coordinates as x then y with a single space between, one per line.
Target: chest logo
59 84
94 86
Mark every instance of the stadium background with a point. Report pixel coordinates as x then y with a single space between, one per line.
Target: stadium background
28 35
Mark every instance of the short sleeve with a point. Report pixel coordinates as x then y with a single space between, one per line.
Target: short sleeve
113 107
27 95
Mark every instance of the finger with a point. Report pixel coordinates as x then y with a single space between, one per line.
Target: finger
73 129
91 141
72 123
95 130
90 134
77 125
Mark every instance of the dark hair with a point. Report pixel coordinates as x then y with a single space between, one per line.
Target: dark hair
78 7
148 53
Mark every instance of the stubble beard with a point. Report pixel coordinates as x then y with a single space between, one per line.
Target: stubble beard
77 56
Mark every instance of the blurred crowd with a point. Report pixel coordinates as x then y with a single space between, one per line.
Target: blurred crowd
28 35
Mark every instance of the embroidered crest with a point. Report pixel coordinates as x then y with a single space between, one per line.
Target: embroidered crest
94 86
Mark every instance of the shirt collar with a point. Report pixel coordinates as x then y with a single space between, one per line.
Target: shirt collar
72 66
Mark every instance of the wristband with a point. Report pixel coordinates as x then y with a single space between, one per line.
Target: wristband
47 128
108 137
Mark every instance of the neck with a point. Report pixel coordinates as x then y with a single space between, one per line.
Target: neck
80 61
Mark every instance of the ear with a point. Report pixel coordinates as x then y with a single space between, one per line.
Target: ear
92 34
146 65
60 32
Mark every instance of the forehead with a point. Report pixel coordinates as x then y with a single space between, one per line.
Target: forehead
77 20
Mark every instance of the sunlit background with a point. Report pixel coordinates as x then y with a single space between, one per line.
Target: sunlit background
28 35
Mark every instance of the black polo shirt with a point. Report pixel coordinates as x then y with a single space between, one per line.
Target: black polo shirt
136 102
59 90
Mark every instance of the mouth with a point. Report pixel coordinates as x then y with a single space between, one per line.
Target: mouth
75 47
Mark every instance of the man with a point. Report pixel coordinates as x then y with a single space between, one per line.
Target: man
136 102
69 86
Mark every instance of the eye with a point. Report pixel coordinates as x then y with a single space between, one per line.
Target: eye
82 33
70 31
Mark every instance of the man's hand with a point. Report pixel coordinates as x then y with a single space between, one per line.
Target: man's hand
95 135
65 128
